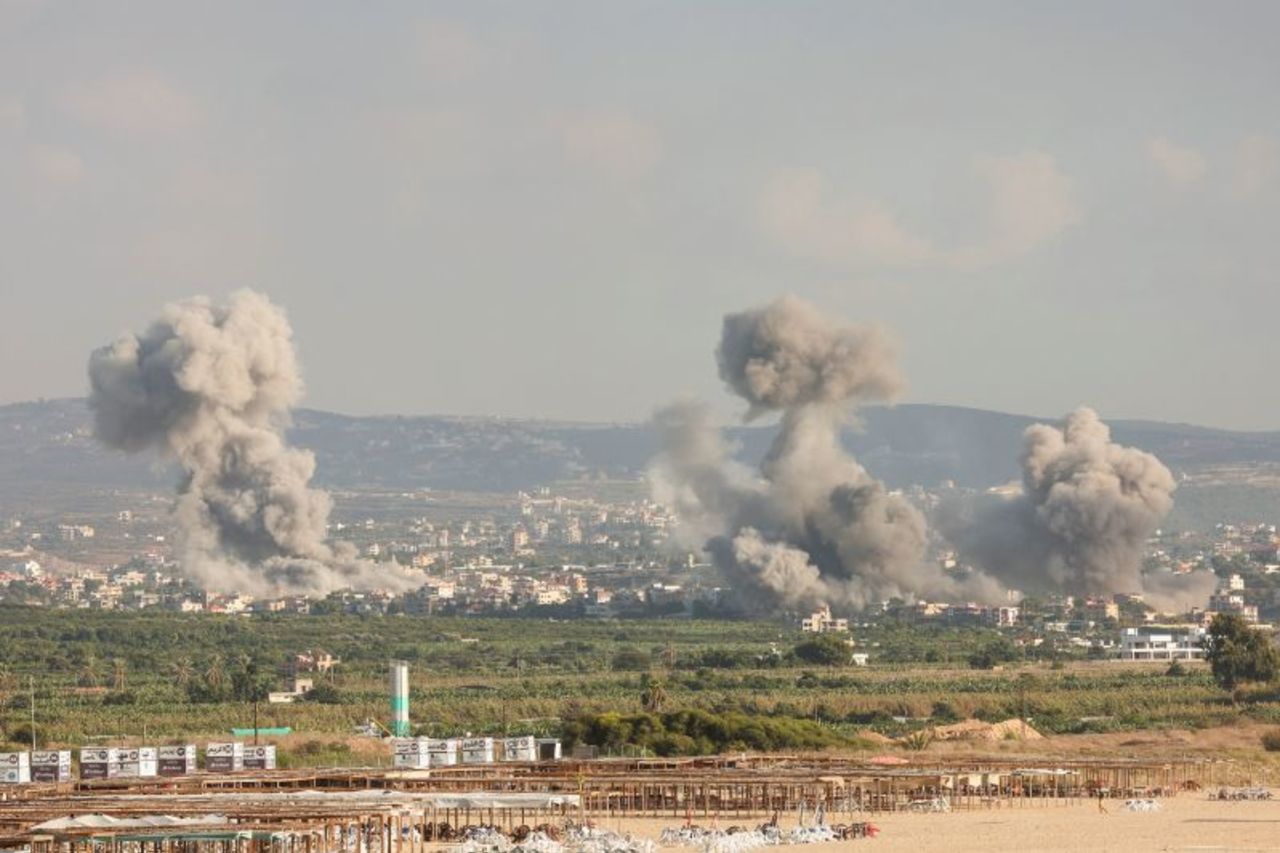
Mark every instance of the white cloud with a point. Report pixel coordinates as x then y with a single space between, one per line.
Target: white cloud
1182 166
142 103
447 49
55 165
1030 202
614 144
13 114
796 212
1256 164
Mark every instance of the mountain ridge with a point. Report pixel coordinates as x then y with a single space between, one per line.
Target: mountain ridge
912 443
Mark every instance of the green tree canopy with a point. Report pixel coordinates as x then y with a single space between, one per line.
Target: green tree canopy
630 658
823 649
1239 654
248 682
997 651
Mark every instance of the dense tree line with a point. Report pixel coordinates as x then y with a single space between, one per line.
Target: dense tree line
697 732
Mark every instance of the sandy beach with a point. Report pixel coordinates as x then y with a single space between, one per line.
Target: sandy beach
1185 823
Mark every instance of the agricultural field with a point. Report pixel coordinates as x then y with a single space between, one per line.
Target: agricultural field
668 686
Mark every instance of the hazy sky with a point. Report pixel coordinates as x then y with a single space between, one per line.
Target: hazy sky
543 209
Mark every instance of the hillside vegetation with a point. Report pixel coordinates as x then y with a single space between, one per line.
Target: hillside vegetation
166 676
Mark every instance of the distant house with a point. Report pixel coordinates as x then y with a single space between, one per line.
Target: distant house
310 661
1161 643
1005 617
820 622
300 687
1101 609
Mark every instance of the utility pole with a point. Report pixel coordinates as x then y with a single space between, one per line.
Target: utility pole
32 684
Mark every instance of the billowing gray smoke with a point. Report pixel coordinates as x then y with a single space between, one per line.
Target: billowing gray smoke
212 386
1087 508
813 526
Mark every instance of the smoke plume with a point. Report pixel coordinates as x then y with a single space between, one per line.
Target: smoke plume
211 386
812 526
1080 525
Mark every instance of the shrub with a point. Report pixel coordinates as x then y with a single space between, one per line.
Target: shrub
325 694
1239 654
631 659
697 732
1271 740
21 735
311 747
824 649
808 681
320 747
918 741
998 651
944 712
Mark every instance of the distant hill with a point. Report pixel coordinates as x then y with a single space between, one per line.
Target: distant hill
49 442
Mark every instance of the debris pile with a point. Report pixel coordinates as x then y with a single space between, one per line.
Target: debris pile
547 838
940 805
736 839
484 839
1241 794
592 839
550 830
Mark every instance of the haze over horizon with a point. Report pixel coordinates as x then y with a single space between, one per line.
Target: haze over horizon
482 209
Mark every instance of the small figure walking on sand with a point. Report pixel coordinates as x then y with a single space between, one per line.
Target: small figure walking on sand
1101 808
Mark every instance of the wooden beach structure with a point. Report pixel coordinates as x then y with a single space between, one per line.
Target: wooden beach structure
378 810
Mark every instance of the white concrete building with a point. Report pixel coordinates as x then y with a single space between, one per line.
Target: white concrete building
1161 643
820 622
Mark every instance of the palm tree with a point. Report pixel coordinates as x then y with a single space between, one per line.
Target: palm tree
182 670
118 674
245 681
247 685
90 672
653 697
215 673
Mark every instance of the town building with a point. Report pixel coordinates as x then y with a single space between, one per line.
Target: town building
821 622
1162 643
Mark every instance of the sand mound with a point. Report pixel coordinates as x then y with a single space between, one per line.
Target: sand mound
1011 729
978 730
872 737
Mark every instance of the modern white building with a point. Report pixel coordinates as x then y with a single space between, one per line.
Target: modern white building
1161 643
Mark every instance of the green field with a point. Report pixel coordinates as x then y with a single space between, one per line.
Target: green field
167 676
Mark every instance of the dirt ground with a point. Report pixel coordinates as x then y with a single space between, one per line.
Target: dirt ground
1185 823
1235 751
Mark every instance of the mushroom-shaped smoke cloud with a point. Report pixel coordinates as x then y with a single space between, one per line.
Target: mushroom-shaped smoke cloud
1087 508
211 386
813 526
